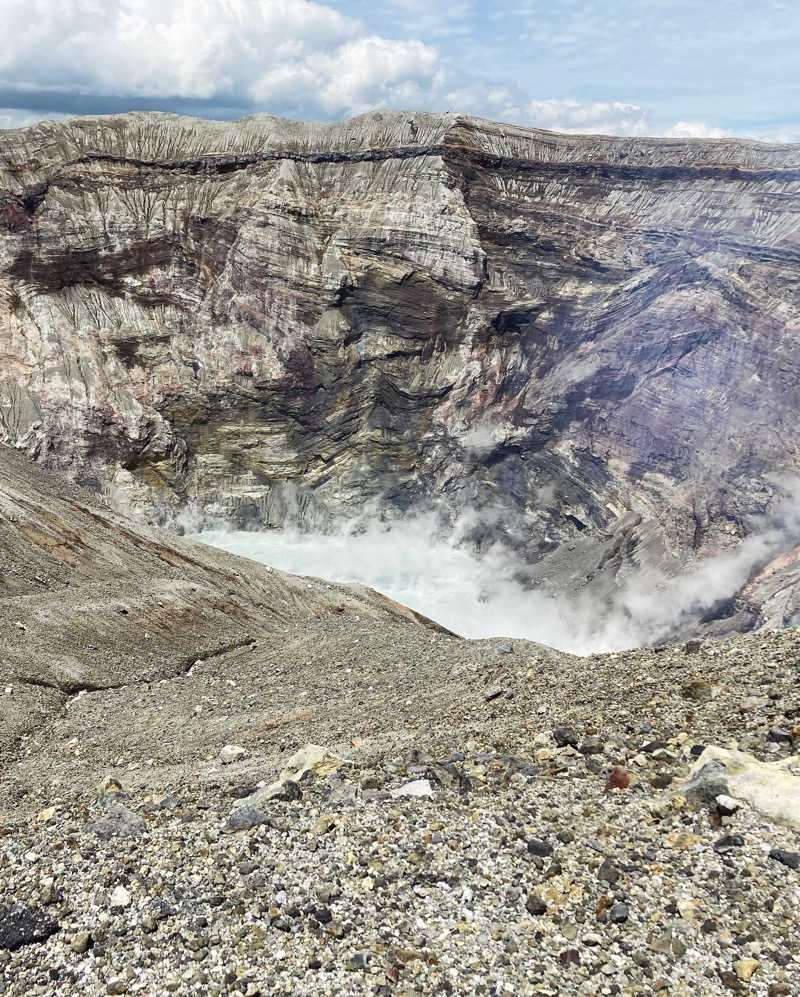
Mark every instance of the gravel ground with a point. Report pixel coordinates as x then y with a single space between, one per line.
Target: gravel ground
556 854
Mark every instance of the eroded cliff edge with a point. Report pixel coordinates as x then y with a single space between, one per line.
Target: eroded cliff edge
588 343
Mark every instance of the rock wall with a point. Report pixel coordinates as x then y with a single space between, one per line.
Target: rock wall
587 345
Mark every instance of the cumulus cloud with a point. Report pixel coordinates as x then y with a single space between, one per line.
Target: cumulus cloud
292 53
695 129
363 73
598 117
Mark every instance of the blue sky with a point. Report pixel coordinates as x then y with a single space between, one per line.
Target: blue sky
661 67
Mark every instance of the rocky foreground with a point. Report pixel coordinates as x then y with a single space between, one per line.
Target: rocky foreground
486 817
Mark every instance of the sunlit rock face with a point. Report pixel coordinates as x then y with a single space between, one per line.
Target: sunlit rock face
587 345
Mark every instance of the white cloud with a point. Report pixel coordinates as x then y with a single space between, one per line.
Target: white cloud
298 52
11 117
695 129
597 117
363 73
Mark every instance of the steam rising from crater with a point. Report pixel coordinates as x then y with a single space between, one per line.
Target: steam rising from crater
478 596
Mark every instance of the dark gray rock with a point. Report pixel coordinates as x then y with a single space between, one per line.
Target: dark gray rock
790 859
24 926
537 847
117 822
247 817
449 776
564 736
728 843
709 782
591 745
618 913
608 872
534 905
778 736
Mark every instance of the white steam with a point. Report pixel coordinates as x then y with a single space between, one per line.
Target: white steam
411 561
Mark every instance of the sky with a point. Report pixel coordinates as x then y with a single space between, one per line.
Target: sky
686 68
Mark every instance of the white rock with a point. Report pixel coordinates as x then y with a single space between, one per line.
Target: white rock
727 805
769 787
120 897
417 788
232 753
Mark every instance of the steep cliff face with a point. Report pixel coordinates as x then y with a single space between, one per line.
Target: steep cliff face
589 344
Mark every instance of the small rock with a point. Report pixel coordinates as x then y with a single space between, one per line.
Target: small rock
778 736
244 819
325 824
728 842
119 985
288 791
117 822
358 960
618 914
565 736
745 968
24 926
311 760
618 778
665 942
730 980
80 942
608 872
109 786
417 788
120 897
542 848
790 859
727 805
232 753
535 905
591 745
698 691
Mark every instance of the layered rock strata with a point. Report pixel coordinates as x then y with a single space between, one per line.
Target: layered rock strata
586 344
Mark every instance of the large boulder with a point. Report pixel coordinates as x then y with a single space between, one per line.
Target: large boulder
772 788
